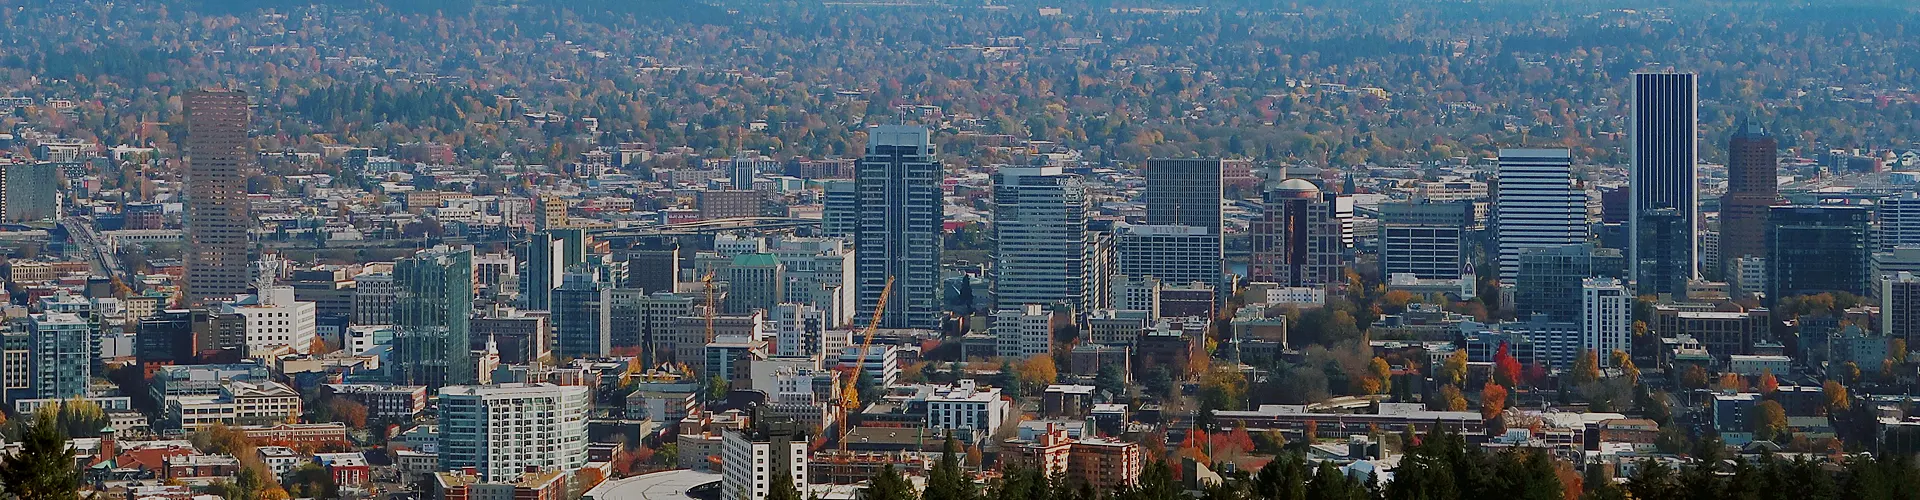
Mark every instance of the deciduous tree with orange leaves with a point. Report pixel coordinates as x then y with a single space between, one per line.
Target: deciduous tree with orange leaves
1493 400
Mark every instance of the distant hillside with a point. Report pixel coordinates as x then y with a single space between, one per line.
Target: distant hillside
681 10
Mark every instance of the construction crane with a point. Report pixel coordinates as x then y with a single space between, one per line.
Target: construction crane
850 390
708 280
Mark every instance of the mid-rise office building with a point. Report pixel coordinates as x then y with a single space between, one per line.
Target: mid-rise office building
179 337
32 192
653 265
1024 332
648 321
1040 223
817 272
751 457
839 208
965 405
17 370
798 330
1816 249
1536 205
275 322
504 431
1664 197
373 297
1297 240
1185 191
1723 333
900 207
546 268
519 337
1424 239
218 214
432 311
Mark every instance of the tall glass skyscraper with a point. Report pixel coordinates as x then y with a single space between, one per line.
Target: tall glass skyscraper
432 305
897 226
1664 217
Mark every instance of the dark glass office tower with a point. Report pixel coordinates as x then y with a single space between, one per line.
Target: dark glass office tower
1816 249
1664 197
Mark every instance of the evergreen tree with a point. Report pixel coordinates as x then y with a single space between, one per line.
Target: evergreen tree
43 469
1156 483
947 481
890 485
1112 380
781 486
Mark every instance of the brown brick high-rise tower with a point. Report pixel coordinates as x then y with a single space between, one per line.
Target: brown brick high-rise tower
217 213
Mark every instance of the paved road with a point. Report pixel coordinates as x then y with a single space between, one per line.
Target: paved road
80 232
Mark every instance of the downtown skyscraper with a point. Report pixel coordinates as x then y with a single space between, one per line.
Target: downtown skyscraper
218 152
1040 222
897 226
432 307
1187 192
1663 200
1536 205
1753 166
1297 238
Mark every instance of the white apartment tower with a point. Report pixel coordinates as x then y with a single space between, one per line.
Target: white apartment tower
750 457
1606 318
504 430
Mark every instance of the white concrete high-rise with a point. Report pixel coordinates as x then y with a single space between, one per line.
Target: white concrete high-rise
750 457
275 322
1536 205
504 430
1606 318
1173 254
1040 223
897 233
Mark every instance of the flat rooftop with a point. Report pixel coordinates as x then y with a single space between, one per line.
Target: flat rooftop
664 485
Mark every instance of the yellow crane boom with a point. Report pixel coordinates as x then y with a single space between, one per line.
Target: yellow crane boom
849 393
708 280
